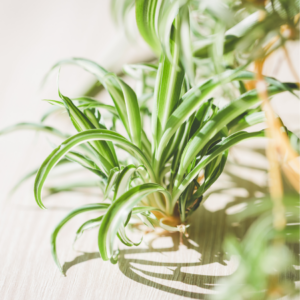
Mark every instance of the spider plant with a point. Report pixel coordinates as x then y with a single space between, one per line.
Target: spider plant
168 167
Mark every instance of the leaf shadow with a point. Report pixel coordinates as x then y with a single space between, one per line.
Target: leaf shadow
207 241
85 256
206 235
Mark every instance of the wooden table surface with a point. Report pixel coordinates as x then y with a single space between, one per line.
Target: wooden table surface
161 267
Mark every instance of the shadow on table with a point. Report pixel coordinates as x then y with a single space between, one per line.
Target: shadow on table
204 260
206 236
85 256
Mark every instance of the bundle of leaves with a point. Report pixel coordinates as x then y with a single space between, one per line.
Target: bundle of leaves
196 98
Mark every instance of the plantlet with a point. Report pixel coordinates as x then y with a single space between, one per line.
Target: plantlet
170 167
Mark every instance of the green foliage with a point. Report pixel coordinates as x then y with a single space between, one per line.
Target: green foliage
199 108
264 258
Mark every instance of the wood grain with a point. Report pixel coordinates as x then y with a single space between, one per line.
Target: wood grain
161 267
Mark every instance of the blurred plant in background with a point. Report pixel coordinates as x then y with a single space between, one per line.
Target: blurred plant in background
199 99
266 258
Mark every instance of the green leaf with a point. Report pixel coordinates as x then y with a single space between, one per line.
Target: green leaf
122 180
113 175
85 136
35 127
109 108
118 212
248 120
125 239
94 117
201 115
169 86
55 102
142 209
86 64
232 36
133 118
86 163
81 122
196 96
215 124
217 172
189 104
168 13
123 96
97 221
92 223
146 12
186 43
219 148
86 102
146 145
72 214
149 220
133 70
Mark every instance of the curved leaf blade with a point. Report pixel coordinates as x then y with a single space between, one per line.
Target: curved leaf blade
214 125
82 122
85 136
146 12
72 214
132 107
92 223
123 180
225 144
35 127
117 214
